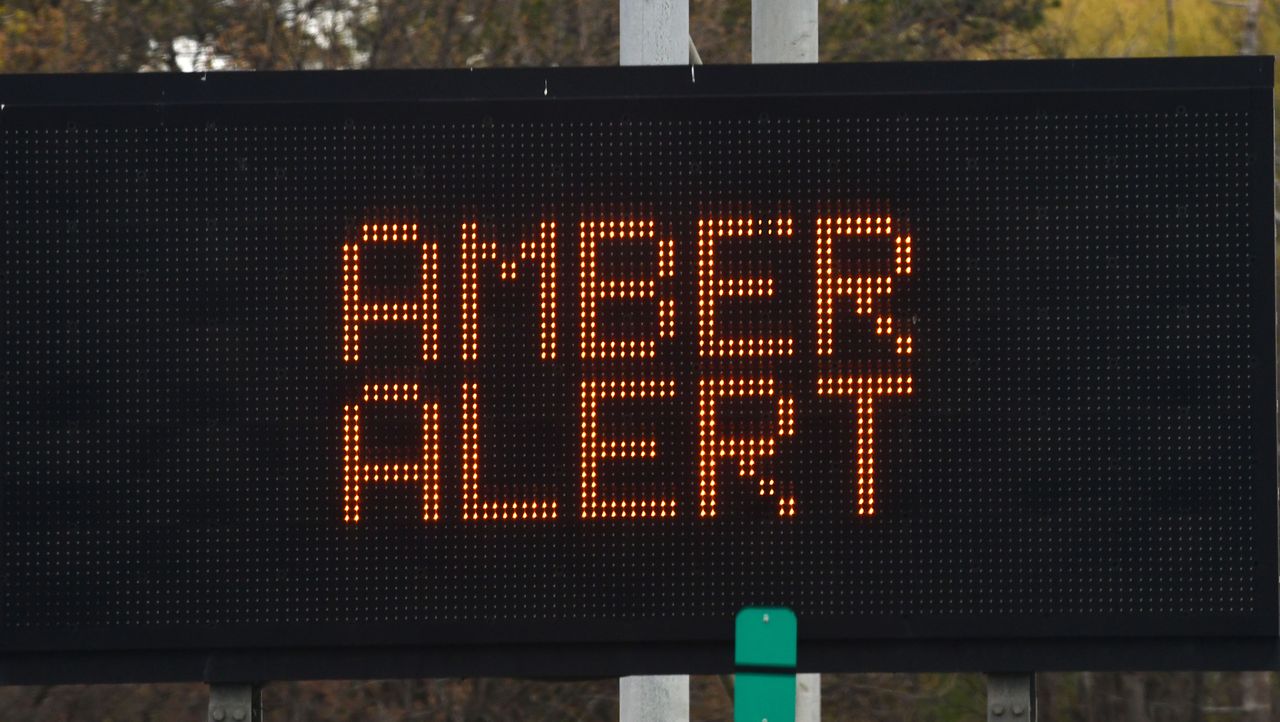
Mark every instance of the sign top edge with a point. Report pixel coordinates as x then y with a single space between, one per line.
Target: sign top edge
381 86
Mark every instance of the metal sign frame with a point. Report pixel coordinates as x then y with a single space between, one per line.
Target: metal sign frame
291 654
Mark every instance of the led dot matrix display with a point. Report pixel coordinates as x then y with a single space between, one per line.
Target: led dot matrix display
914 365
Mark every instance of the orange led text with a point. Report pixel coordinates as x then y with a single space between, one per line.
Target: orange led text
842 347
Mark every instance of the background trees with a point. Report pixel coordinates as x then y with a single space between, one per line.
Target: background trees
131 35
149 35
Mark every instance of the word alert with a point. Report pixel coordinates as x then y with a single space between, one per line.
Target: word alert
840 288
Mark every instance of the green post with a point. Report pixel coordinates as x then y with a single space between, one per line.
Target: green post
764 653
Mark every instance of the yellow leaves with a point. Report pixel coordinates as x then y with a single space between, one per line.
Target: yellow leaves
47 39
1132 28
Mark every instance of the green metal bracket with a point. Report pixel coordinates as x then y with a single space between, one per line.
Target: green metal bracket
764 651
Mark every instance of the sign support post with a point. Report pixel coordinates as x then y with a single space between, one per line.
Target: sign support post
784 31
1011 697
653 32
235 703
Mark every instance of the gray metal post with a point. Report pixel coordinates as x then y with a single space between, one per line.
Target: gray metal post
808 698
654 699
1011 697
784 31
235 703
653 32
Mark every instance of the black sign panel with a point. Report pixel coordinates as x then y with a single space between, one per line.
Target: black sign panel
551 359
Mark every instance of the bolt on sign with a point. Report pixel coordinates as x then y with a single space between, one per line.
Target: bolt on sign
554 371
